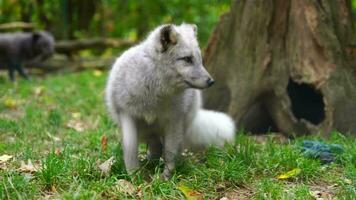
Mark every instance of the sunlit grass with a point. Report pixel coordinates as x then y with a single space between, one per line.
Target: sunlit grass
37 127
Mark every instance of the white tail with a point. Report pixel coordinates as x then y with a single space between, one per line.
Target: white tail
211 128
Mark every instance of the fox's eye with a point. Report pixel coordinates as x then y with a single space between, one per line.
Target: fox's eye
187 59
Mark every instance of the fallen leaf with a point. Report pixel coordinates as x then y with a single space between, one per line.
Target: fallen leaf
3 166
317 195
38 91
289 174
28 176
220 187
348 181
105 167
76 125
76 115
53 189
51 193
48 196
104 143
58 152
189 193
124 186
139 192
10 103
97 73
4 158
29 167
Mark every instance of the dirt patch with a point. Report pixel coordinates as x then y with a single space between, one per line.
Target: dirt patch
241 193
12 115
319 190
323 191
275 137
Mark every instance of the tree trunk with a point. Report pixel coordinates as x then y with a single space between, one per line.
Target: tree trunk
285 65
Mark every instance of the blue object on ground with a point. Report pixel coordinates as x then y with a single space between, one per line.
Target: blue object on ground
326 153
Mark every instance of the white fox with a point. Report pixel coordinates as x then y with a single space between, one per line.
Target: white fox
153 93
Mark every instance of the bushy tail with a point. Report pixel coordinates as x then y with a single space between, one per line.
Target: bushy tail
211 128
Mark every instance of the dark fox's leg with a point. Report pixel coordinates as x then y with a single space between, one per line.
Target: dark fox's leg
11 69
21 70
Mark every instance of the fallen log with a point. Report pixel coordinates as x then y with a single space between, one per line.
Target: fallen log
72 46
16 25
60 64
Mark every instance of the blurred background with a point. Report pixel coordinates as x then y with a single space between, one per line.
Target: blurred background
90 34
73 19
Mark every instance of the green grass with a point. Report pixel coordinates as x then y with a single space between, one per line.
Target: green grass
36 128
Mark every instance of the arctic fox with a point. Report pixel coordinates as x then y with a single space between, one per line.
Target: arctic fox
17 48
153 92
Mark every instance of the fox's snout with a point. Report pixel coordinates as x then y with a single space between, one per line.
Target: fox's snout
198 78
200 83
210 81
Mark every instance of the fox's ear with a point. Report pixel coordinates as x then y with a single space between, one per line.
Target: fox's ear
168 36
35 37
195 29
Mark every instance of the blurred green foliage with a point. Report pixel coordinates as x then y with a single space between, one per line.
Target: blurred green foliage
68 19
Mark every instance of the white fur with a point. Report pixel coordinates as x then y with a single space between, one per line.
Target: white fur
153 93
130 142
211 128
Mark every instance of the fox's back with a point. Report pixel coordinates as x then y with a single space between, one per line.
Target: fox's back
128 86
10 44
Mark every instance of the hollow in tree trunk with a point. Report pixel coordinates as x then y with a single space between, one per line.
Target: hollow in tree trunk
285 65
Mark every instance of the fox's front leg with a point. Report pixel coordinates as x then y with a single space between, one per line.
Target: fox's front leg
11 72
173 140
21 70
130 142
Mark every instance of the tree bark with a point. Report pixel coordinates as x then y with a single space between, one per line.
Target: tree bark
285 65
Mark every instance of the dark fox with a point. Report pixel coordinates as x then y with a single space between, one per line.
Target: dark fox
18 48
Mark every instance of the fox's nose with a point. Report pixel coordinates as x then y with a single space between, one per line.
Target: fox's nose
210 81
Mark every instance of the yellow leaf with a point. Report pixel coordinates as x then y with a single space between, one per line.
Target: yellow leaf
289 174
10 103
348 181
4 158
132 35
97 73
53 189
189 193
76 115
39 90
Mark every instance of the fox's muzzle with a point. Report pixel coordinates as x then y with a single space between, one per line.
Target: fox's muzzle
210 82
